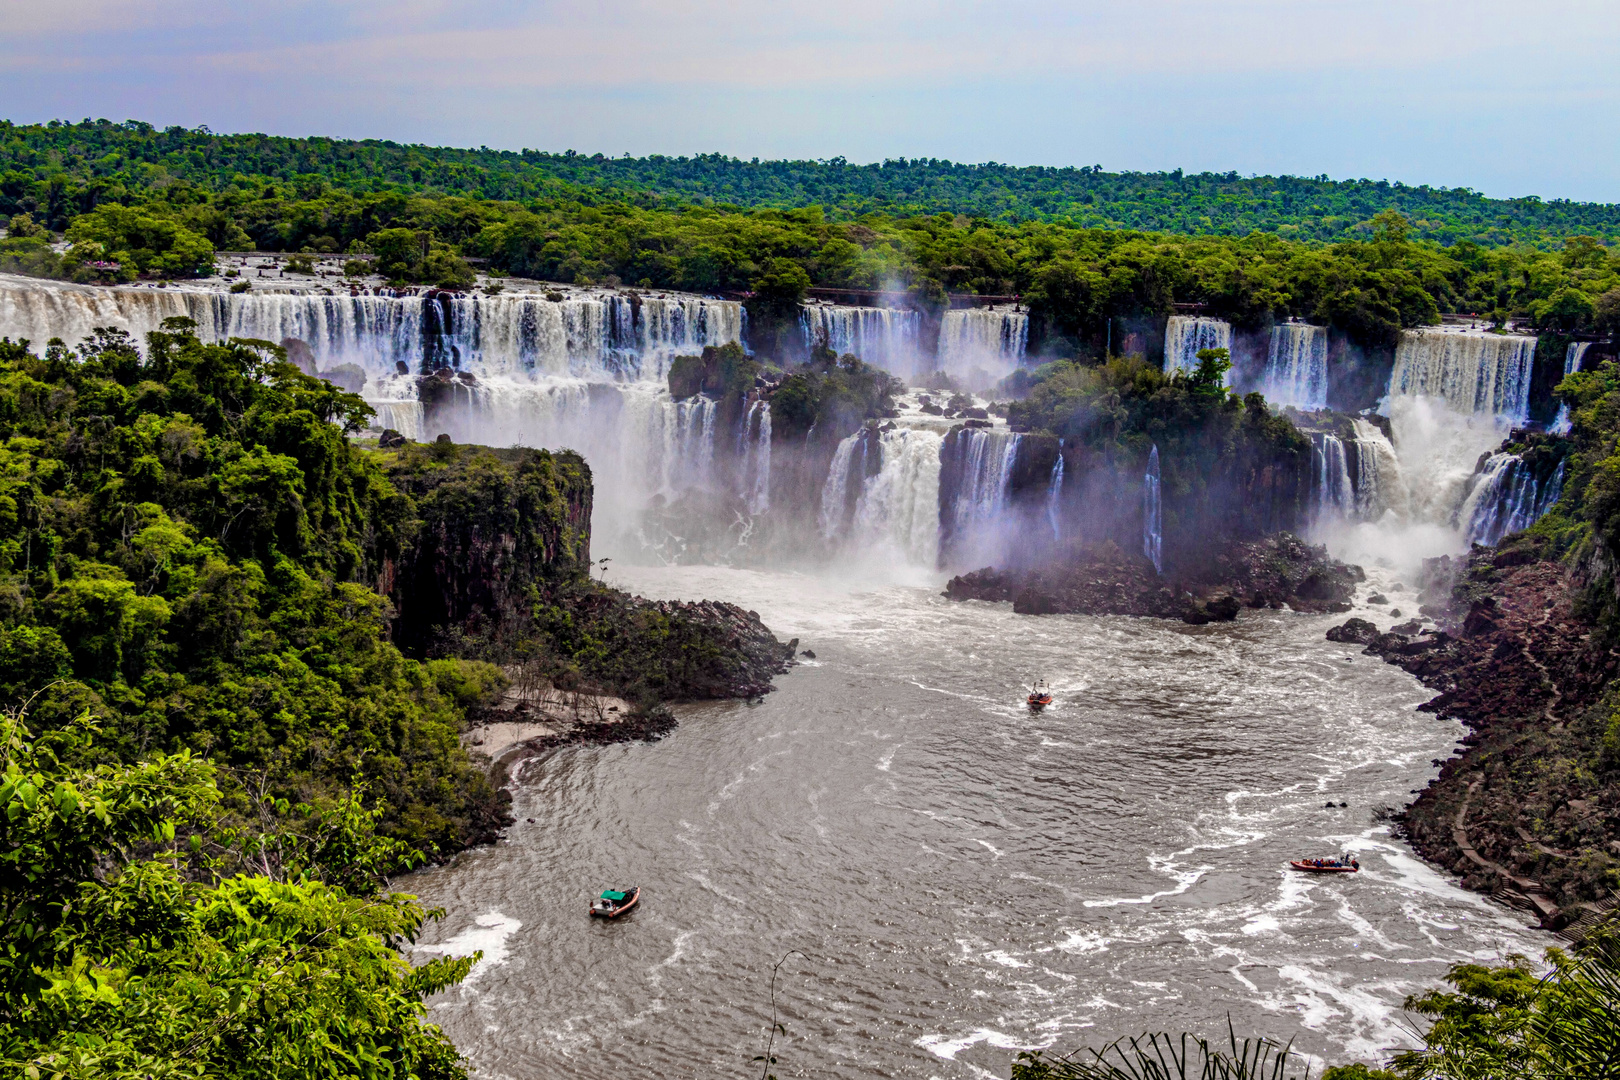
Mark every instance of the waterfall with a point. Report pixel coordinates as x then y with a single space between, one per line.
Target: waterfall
1380 485
986 476
1054 492
834 499
899 505
600 337
1153 514
754 458
1186 335
1473 372
982 345
882 337
1296 366
1574 355
1333 492
1507 498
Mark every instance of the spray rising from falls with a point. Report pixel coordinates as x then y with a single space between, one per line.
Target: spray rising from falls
1153 514
1296 366
1453 398
1186 335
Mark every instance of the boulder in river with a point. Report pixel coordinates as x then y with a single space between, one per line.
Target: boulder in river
1354 632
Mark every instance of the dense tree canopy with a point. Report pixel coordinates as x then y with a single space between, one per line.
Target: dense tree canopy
63 169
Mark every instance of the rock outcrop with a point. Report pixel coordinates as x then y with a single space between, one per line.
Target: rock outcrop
1276 571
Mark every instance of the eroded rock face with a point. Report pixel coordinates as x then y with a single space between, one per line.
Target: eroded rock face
1517 661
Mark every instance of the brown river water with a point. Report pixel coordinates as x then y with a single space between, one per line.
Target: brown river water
952 879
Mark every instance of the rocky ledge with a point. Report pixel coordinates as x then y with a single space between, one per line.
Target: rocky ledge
1275 571
1527 810
675 650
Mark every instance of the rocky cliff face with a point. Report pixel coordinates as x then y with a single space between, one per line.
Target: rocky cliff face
1528 809
494 528
497 567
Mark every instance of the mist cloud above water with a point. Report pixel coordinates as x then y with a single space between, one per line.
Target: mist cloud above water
1416 92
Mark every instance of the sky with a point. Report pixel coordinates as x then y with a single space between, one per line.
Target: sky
1507 99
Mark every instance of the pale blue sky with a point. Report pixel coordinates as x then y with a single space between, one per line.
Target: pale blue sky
1509 99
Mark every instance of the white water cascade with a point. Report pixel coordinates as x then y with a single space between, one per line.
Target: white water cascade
596 336
884 337
1453 398
1574 355
834 493
898 508
1507 498
980 346
1186 335
1334 495
1379 483
1296 366
754 446
1473 372
1153 514
1054 495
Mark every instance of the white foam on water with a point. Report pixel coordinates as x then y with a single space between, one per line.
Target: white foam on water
488 935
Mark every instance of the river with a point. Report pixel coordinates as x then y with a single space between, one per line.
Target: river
961 879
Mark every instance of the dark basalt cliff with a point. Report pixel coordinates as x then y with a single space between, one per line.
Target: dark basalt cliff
1103 580
497 566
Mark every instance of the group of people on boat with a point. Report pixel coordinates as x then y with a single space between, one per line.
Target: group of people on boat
1339 864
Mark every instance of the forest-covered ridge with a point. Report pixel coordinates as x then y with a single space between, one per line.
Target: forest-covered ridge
100 160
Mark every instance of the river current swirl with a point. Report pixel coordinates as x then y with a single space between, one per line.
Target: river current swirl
961 879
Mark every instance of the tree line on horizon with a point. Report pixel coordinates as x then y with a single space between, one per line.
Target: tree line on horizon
99 157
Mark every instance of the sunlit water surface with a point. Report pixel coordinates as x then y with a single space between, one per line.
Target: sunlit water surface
961 879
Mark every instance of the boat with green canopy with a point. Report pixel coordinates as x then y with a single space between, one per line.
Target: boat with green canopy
615 902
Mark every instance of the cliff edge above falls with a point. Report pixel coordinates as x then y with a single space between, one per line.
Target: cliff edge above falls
495 565
1528 810
1271 572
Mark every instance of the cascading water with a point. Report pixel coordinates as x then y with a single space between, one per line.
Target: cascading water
1507 498
1332 492
834 493
1187 335
982 345
1453 398
1574 355
884 337
754 455
1054 495
1474 373
898 507
1379 483
1296 366
1153 514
